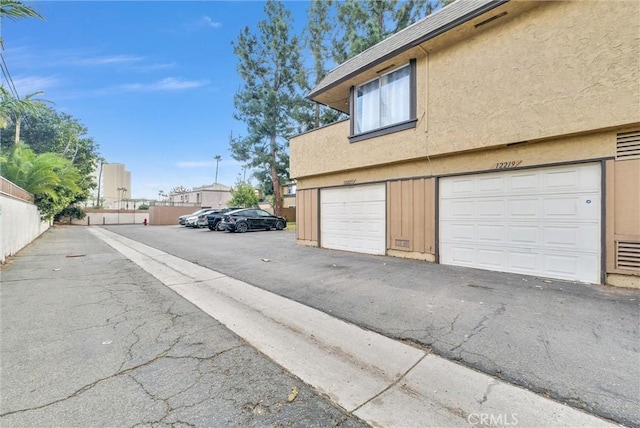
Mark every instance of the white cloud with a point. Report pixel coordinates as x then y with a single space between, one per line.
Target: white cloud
208 22
30 84
166 84
107 60
196 164
224 164
204 22
154 67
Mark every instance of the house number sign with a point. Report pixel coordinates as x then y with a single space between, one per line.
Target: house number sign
509 164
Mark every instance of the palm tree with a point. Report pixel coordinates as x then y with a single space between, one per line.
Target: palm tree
14 109
40 174
16 10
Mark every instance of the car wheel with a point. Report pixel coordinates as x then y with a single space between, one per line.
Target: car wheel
279 225
241 227
211 228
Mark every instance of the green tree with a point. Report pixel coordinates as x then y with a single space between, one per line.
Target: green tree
51 178
271 67
363 23
243 195
312 115
71 212
13 110
50 131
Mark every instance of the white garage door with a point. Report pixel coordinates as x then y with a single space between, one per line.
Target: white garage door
353 219
543 222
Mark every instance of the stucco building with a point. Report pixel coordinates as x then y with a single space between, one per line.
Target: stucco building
116 185
501 135
213 196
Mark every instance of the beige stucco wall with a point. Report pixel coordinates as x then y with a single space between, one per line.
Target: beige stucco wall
328 149
557 69
553 70
568 149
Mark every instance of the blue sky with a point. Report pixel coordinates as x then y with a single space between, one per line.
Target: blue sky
153 81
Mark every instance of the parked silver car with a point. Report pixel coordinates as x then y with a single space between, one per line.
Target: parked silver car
198 220
183 218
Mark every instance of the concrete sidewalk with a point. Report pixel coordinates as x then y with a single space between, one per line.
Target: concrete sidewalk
89 339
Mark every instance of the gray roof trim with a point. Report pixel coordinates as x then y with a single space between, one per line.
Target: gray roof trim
429 27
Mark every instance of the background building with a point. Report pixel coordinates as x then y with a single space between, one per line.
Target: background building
115 186
214 196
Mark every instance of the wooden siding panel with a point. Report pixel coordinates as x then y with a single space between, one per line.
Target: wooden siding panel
407 209
610 243
307 215
314 221
394 213
419 222
627 197
410 208
430 224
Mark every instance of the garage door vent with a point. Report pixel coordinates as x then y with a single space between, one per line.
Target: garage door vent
403 243
628 146
628 255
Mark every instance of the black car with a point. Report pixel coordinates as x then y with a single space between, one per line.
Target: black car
213 219
251 219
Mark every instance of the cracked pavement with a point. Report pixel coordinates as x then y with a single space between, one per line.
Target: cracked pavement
90 339
576 343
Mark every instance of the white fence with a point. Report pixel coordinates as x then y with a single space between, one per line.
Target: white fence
98 218
19 225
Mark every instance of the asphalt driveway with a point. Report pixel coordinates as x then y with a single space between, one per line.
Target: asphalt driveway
576 343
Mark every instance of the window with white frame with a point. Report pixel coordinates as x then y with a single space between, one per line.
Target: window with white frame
385 101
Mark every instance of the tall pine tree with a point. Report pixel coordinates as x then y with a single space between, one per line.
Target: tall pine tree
362 24
271 67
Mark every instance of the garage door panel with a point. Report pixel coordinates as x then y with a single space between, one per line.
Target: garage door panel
576 237
523 235
524 208
490 185
561 265
523 183
463 256
523 262
462 208
463 232
565 180
354 219
490 233
543 222
490 258
490 208
582 208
